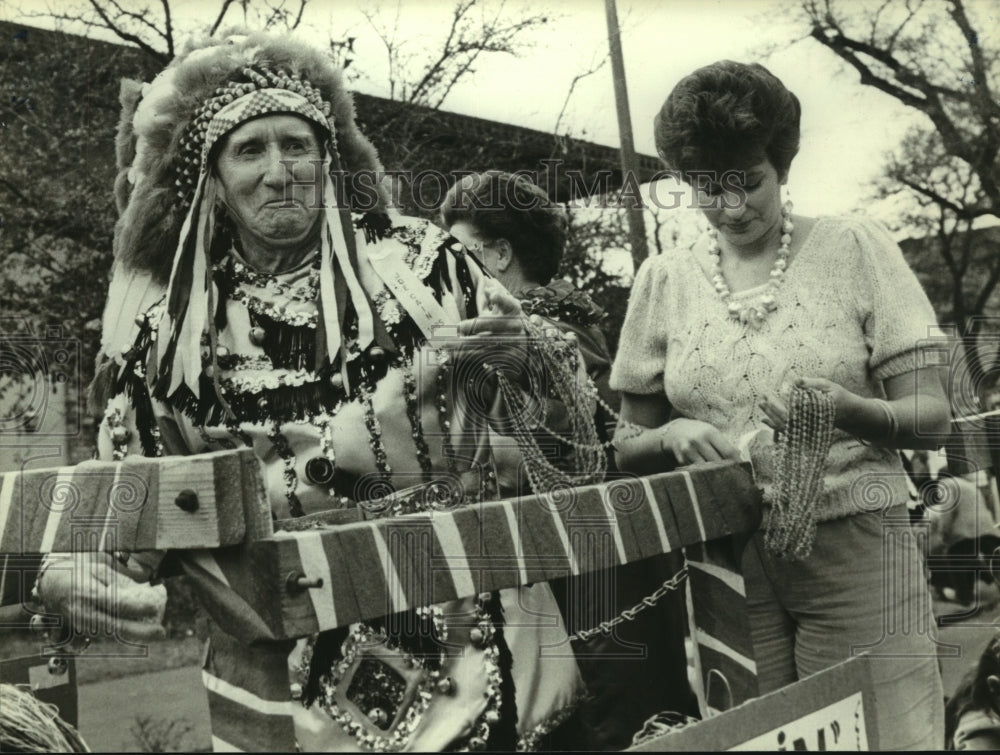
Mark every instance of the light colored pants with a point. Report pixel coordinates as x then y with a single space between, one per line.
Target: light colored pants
863 587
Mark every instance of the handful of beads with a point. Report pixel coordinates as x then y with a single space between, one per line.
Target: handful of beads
800 458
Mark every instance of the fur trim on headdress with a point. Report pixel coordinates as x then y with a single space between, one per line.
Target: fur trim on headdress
129 96
150 136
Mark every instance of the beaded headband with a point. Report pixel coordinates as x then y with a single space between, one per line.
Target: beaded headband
234 104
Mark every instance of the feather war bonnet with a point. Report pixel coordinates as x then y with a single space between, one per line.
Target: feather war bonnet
165 191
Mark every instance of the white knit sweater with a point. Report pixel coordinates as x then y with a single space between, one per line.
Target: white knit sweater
850 310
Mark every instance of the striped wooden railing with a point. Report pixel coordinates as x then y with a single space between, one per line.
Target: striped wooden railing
307 580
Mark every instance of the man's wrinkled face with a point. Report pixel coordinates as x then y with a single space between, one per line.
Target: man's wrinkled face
271 179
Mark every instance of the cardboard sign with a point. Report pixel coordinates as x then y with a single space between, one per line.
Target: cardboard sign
832 710
839 726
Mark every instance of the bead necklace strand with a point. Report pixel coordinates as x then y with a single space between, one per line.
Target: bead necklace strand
413 414
800 460
755 313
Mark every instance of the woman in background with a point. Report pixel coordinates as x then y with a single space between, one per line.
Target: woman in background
518 234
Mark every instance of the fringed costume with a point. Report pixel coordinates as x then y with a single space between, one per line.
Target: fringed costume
336 373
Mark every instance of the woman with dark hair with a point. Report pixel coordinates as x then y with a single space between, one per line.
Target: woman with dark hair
519 234
810 328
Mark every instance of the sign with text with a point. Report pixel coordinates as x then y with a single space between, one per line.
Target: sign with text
832 710
837 727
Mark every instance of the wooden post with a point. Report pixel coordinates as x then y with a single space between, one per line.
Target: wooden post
636 221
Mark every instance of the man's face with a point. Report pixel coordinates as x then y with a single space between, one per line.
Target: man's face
271 180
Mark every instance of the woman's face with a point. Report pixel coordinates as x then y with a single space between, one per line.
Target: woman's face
743 206
269 170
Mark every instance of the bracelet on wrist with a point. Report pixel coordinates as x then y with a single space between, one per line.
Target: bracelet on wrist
892 422
664 429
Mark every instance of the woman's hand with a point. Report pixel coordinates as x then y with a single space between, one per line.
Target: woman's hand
498 337
775 406
499 312
691 441
109 594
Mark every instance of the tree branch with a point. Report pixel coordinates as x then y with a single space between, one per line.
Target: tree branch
15 191
986 291
961 211
838 44
848 49
298 17
218 19
123 34
168 27
594 68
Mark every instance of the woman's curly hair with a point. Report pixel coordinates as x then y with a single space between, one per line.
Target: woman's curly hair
728 116
510 206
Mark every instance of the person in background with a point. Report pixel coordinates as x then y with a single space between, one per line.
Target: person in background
518 234
769 308
972 716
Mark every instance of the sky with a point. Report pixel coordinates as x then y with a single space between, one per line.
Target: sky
846 128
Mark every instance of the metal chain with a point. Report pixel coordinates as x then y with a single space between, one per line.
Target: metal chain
629 614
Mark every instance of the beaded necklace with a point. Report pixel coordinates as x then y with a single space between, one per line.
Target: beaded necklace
800 460
240 275
413 415
559 360
304 292
755 313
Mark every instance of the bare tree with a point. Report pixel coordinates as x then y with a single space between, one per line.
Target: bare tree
930 56
152 28
476 28
424 76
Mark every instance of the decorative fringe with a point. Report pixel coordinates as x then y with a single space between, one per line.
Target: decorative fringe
375 224
503 735
102 387
287 346
145 418
466 283
284 404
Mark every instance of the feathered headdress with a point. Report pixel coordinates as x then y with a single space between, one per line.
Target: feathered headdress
165 188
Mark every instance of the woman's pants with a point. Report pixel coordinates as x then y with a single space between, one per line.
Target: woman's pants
863 588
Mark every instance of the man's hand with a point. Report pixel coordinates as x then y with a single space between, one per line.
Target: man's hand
98 594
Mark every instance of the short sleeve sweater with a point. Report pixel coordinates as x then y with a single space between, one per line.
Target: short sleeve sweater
850 310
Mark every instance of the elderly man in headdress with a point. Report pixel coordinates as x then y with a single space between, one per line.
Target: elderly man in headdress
265 294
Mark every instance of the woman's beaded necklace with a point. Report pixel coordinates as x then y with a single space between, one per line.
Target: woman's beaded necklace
756 312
